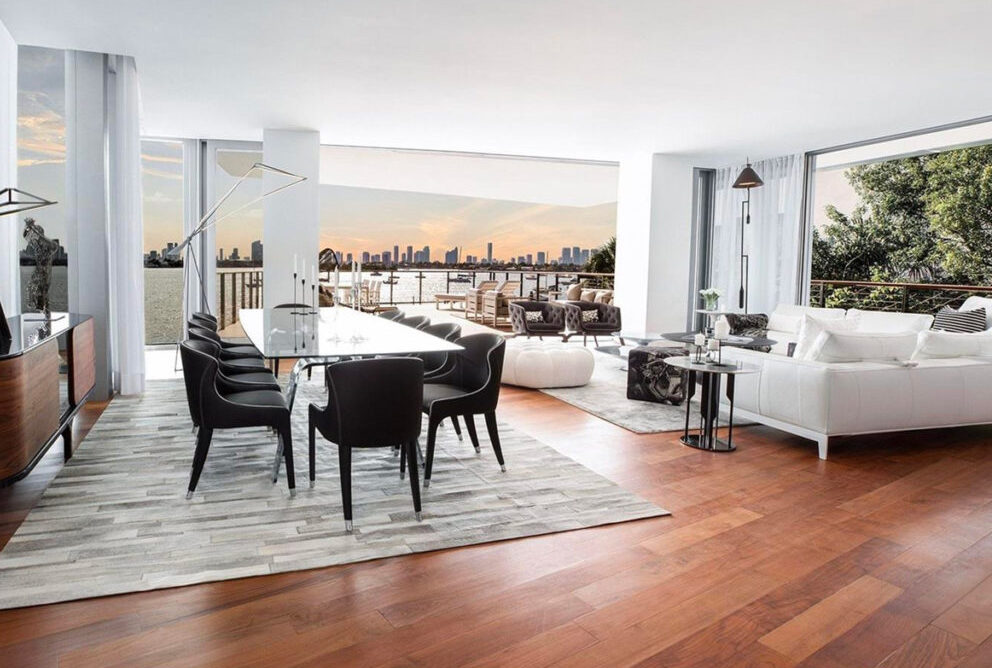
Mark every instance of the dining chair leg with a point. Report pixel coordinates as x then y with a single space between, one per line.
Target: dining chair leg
277 464
494 438
431 438
411 454
313 454
344 462
203 436
403 449
458 429
472 434
287 453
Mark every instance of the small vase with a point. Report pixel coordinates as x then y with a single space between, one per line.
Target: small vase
710 304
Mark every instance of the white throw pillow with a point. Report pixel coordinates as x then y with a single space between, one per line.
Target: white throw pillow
863 347
779 322
891 321
811 327
934 344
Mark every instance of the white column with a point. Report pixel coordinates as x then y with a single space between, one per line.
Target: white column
86 203
291 225
10 294
654 225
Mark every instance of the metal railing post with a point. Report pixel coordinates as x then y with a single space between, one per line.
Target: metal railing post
391 286
222 315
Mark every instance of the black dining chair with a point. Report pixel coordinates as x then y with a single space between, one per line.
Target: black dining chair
216 404
205 323
435 363
394 314
415 321
252 377
370 403
203 315
228 350
470 387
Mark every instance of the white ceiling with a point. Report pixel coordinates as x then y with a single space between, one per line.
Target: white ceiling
595 79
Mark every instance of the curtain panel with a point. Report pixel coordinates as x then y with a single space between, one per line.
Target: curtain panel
126 229
771 241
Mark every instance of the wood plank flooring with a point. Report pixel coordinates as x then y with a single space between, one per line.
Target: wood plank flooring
881 556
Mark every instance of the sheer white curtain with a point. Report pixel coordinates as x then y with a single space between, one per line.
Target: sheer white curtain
125 225
771 240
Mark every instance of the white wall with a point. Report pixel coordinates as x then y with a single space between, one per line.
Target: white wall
654 226
9 265
291 223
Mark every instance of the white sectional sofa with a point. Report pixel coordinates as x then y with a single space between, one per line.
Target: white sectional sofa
820 400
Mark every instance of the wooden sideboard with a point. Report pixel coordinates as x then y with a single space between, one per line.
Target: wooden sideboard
38 403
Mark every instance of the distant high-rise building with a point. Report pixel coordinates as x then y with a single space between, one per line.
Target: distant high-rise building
470 259
576 254
220 255
409 254
256 252
386 258
153 254
365 256
566 256
451 256
427 253
418 257
396 253
489 252
530 258
541 256
234 254
170 245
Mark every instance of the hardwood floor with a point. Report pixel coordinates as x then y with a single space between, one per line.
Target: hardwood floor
881 556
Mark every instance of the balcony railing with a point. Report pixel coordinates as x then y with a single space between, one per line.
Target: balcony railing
241 288
904 297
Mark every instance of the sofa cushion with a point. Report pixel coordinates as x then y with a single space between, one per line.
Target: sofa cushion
604 297
573 292
953 320
782 322
833 347
747 324
817 311
936 344
890 321
534 316
974 302
590 315
811 327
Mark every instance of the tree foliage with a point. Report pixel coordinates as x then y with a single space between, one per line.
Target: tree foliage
603 260
923 219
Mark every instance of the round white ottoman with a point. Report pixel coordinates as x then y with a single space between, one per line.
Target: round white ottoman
538 364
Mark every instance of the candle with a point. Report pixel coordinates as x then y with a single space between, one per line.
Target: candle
721 329
313 274
294 264
337 283
714 344
699 340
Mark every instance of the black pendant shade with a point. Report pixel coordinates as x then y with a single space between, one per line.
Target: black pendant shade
748 178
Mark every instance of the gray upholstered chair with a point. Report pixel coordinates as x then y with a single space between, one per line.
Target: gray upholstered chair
534 318
606 322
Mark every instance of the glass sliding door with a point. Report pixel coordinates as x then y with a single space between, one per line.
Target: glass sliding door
162 211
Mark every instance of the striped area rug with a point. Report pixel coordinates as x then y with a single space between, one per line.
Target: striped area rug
116 519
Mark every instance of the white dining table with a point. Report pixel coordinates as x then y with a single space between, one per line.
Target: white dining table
317 337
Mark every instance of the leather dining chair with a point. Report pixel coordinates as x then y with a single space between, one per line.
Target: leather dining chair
370 403
435 363
252 377
470 387
394 314
214 403
228 350
415 321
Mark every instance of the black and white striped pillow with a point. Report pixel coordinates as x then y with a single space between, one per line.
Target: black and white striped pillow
951 320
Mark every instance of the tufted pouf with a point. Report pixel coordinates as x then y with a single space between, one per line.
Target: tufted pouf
540 364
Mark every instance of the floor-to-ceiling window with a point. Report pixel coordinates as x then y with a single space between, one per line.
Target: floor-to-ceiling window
903 224
41 161
424 215
162 192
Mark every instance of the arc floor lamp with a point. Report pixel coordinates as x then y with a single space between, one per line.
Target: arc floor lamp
747 179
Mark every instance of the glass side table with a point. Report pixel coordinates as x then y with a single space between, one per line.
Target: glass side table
705 437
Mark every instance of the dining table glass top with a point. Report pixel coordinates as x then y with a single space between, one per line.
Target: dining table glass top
335 331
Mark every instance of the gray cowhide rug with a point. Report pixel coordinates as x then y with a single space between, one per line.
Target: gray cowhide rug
116 519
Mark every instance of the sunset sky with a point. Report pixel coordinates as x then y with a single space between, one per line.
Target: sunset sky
352 219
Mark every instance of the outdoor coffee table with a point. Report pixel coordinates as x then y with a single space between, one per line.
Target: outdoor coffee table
709 413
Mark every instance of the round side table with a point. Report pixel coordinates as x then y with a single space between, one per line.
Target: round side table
705 437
